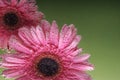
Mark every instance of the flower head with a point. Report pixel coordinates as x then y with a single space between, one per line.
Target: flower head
44 53
15 14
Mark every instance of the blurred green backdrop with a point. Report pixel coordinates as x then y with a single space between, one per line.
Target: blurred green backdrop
98 22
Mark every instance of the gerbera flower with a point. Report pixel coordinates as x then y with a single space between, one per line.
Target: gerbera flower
42 53
15 14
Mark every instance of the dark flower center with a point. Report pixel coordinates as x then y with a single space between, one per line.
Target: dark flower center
48 67
11 19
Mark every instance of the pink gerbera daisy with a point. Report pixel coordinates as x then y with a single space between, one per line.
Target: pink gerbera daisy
15 14
42 53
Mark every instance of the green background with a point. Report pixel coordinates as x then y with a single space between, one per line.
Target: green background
98 22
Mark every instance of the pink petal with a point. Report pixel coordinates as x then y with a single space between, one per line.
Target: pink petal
24 78
74 43
67 35
2 3
15 44
34 35
21 2
10 73
14 2
80 74
46 28
25 35
10 65
4 38
76 52
40 34
63 31
54 34
16 55
84 76
82 67
14 60
81 58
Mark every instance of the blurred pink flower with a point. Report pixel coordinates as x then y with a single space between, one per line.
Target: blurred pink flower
15 14
42 53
